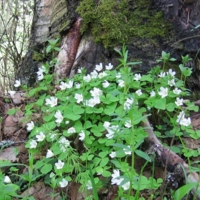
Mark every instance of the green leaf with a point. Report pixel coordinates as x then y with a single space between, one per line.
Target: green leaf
110 108
77 110
11 111
48 49
104 162
185 189
46 168
160 104
106 174
170 107
87 125
48 117
143 155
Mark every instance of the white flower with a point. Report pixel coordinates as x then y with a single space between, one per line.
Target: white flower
179 102
94 74
59 117
33 144
67 122
80 70
91 102
102 74
128 124
40 75
163 92
59 164
30 126
127 150
71 130
69 84
63 85
52 101
64 144
17 83
40 137
106 124
172 73
96 92
121 83
109 66
152 93
105 84
12 93
77 85
116 177
162 74
111 129
139 92
7 179
118 75
182 120
128 103
112 154
49 154
126 185
63 183
171 82
87 78
137 77
99 67
89 185
176 91
81 135
78 97
52 136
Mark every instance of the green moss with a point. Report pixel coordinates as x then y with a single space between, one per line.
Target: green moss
114 22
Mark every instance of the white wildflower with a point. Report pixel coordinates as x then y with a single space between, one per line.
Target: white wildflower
163 92
71 130
96 92
128 103
112 154
102 74
77 85
69 84
78 97
89 185
87 78
63 85
94 74
99 67
40 137
49 154
152 93
33 144
63 183
105 84
177 91
162 74
7 179
59 164
52 101
171 82
109 66
116 177
121 83
59 117
118 75
81 135
171 72
128 124
179 102
30 126
137 77
127 150
139 92
17 83
126 185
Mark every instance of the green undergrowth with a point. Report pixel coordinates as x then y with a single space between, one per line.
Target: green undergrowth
116 22
90 129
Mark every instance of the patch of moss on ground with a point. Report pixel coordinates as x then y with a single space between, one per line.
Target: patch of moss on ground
114 22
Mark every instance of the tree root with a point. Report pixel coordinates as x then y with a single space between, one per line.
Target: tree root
173 163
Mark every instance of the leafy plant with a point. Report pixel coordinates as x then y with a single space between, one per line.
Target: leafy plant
90 128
